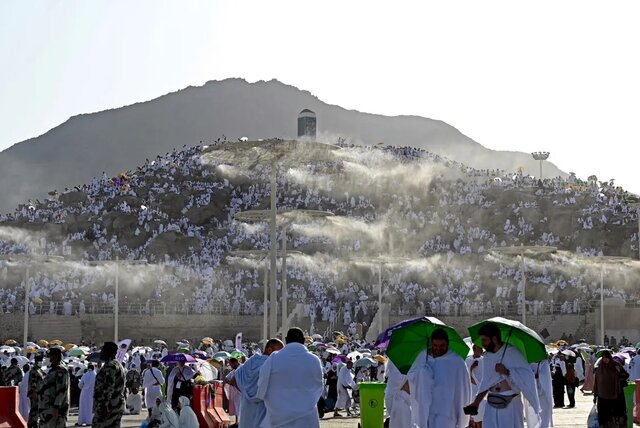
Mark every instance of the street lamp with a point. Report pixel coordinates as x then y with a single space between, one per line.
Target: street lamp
540 156
380 261
27 259
522 251
116 308
276 153
263 254
287 218
605 260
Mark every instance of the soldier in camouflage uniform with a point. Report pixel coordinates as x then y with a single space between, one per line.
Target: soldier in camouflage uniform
108 395
36 379
53 400
13 374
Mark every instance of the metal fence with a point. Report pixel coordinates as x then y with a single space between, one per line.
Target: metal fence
219 308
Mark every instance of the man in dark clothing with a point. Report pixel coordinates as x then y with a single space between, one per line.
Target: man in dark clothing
332 383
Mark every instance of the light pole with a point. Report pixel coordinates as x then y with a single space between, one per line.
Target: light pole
605 260
27 260
116 305
380 261
522 251
540 156
263 254
276 153
287 218
636 206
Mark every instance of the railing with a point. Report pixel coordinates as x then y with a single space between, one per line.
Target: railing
175 308
137 308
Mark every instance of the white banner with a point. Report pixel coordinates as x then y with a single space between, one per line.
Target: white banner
123 347
239 341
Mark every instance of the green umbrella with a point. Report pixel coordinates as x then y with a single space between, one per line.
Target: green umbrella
237 354
222 354
410 339
601 351
77 352
515 334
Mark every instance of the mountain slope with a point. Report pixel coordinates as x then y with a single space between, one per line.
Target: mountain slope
119 139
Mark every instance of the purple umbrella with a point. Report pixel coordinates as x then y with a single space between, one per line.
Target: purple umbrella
340 359
200 355
176 358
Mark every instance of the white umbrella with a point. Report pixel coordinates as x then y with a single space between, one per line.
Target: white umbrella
160 342
568 353
7 349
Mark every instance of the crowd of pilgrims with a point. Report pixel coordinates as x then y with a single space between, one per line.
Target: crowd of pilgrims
439 221
294 385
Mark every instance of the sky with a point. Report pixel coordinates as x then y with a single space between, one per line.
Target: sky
560 76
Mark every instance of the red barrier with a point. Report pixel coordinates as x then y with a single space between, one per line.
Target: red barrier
199 406
636 409
215 407
9 415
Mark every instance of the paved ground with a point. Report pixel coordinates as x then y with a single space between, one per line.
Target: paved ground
570 418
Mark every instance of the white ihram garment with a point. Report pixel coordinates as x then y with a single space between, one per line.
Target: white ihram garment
151 390
444 384
522 382
398 402
290 384
86 384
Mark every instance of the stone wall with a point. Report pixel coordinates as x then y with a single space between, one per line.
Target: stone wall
143 329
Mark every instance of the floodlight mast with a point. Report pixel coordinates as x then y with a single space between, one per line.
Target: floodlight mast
521 251
28 258
116 306
540 156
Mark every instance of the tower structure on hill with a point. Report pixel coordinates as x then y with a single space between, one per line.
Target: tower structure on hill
307 124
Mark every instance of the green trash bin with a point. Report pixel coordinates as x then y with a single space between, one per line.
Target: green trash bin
629 392
371 404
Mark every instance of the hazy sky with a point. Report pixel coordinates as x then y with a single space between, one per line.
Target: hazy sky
562 76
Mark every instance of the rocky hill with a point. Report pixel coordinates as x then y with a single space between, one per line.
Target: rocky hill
119 139
177 211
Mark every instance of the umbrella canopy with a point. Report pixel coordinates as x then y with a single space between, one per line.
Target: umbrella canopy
10 342
43 343
366 362
69 346
7 349
380 358
411 338
222 354
317 337
176 358
622 357
183 350
200 355
77 352
333 351
237 354
160 342
515 334
340 359
94 357
55 342
207 341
